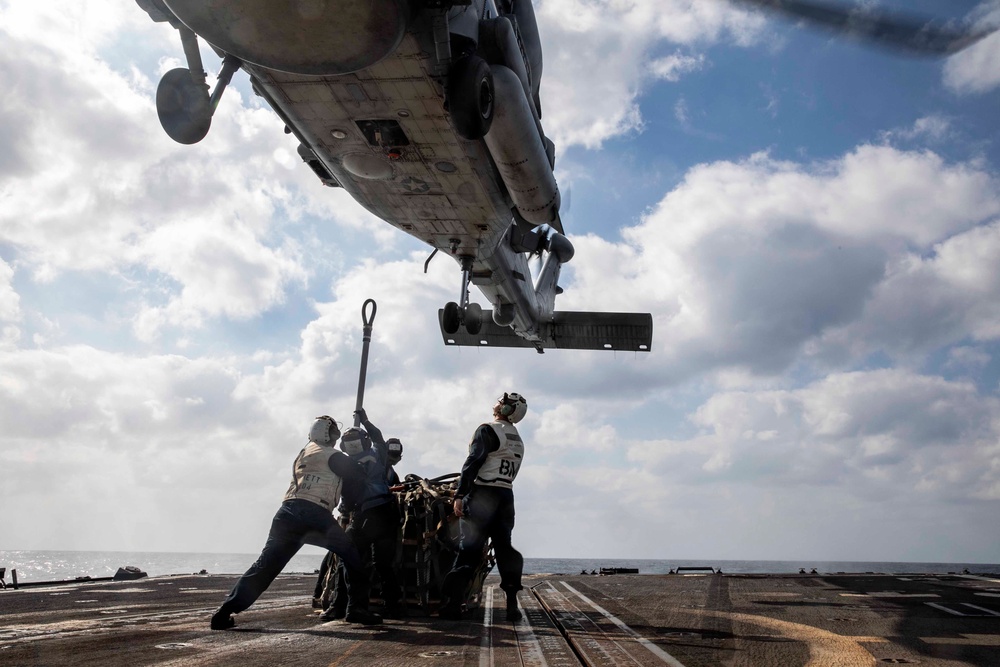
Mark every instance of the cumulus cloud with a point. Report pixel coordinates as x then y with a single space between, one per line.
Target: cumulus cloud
880 433
967 357
594 55
934 128
121 198
934 298
571 428
974 70
672 67
10 301
751 264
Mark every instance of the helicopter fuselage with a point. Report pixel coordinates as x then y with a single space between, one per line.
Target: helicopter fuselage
428 115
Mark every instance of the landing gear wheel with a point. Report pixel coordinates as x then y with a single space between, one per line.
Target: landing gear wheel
183 106
450 319
473 318
470 97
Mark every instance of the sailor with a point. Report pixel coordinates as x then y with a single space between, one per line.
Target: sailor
305 517
373 527
485 502
395 448
338 596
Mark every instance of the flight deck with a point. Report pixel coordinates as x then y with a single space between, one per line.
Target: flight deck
694 620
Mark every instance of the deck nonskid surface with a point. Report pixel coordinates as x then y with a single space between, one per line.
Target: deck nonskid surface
694 621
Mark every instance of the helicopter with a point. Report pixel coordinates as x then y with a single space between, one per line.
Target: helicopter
428 113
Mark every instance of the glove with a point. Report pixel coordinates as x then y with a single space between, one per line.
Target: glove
361 415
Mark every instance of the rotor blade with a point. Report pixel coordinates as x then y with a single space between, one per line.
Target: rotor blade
923 37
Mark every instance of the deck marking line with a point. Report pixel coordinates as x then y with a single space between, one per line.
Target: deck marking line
346 653
571 630
531 641
988 611
978 578
943 608
486 647
826 649
650 646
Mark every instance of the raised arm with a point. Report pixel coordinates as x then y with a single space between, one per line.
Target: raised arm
378 442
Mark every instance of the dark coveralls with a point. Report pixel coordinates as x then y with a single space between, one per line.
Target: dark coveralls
338 599
489 513
296 522
374 527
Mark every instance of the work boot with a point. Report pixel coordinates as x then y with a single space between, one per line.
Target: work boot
513 613
332 614
364 617
222 620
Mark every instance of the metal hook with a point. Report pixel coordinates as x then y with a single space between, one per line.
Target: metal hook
367 319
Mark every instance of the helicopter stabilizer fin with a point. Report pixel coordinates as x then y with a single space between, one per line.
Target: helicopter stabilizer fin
569 330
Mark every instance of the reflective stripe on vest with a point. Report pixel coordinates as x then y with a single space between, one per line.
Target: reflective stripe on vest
501 466
312 478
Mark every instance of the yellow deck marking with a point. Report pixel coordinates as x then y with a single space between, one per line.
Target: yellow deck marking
826 649
346 653
965 640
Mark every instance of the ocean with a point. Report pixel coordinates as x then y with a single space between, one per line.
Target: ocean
34 566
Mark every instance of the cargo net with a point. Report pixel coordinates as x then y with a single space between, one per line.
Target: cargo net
430 540
427 546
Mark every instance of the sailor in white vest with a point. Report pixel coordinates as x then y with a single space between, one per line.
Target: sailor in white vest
485 501
305 517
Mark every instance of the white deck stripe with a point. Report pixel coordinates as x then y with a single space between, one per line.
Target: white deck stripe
530 641
988 611
650 646
486 646
943 608
979 578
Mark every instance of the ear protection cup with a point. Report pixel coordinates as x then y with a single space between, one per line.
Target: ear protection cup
507 408
512 407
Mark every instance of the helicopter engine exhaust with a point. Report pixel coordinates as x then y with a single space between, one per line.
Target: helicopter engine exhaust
322 38
518 151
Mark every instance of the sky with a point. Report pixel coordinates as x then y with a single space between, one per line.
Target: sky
813 223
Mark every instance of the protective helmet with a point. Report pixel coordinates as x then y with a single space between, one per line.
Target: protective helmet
395 450
512 406
355 441
324 431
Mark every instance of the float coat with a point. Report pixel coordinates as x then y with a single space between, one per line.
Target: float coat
501 466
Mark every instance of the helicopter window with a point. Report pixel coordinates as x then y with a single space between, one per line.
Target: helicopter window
383 132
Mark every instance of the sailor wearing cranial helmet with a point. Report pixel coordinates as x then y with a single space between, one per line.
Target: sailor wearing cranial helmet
305 517
337 586
485 500
395 456
373 526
